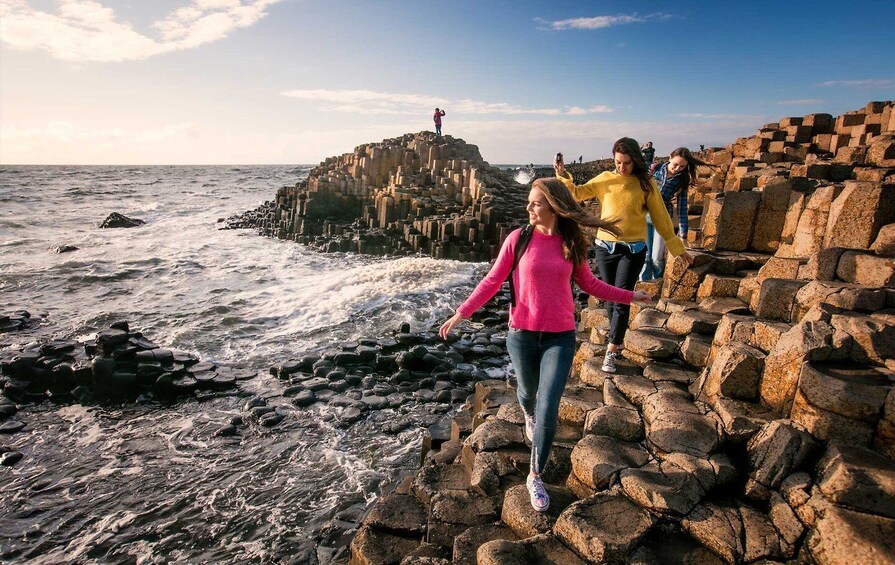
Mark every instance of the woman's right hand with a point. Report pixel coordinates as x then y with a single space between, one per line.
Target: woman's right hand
560 168
446 327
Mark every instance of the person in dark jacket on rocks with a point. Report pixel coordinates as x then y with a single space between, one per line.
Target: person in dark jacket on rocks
541 337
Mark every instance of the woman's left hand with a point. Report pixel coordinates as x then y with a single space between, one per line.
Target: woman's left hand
446 327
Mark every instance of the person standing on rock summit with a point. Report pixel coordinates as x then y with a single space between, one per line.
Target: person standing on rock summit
625 195
541 337
437 117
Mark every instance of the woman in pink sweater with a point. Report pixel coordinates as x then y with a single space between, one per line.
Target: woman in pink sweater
541 338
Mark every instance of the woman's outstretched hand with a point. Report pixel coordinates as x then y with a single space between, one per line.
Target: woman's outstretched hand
642 298
446 327
560 168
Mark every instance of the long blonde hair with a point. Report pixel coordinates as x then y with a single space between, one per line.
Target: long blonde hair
570 217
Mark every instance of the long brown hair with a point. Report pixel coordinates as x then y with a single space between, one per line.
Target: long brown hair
689 172
570 217
630 147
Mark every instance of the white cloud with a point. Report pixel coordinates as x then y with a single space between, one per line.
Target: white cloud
373 102
698 116
868 83
800 101
600 109
602 22
85 30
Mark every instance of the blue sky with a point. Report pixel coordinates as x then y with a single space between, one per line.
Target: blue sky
294 81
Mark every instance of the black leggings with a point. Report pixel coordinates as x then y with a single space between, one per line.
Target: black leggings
620 269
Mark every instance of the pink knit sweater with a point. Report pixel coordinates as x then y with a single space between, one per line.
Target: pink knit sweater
543 294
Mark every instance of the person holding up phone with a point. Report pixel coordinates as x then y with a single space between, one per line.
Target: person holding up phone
626 195
439 113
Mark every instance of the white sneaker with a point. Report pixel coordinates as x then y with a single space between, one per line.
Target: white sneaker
609 362
540 500
530 422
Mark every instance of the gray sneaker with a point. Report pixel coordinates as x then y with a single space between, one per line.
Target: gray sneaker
609 362
537 494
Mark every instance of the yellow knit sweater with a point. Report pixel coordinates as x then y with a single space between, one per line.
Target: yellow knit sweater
621 198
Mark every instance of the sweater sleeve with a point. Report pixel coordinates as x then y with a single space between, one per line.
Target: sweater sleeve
586 191
597 288
659 214
492 282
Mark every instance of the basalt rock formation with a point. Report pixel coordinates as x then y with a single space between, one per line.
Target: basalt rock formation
753 417
414 194
118 364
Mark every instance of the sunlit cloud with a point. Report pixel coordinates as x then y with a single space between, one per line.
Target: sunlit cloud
698 116
866 83
85 30
70 131
800 101
373 102
602 22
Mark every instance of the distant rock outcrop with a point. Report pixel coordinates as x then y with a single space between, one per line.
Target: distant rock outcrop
116 220
416 193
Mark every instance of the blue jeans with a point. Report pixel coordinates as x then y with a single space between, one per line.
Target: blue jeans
542 362
437 129
654 266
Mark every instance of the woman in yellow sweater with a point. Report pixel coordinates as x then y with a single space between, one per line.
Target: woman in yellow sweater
625 195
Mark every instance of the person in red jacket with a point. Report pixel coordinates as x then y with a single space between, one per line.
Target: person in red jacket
437 117
541 337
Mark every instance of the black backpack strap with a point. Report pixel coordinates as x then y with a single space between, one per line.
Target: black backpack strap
521 246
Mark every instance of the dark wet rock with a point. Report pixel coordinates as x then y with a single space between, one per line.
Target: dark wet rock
316 384
11 458
271 419
11 426
351 415
258 411
237 421
304 398
7 408
253 402
324 395
116 220
225 431
66 248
